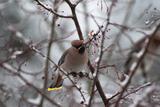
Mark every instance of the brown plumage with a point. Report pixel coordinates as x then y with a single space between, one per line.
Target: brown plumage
73 59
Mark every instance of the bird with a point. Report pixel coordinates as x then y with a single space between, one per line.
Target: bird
72 61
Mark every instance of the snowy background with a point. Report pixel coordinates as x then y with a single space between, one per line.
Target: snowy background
28 31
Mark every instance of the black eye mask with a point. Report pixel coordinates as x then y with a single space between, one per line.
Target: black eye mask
77 47
81 48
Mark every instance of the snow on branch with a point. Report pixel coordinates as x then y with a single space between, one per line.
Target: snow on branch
47 7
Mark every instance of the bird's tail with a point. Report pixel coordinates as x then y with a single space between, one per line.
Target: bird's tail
56 85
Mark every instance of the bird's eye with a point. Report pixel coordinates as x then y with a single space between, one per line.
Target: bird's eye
77 47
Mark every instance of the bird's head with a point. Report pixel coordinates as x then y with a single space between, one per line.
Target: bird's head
79 45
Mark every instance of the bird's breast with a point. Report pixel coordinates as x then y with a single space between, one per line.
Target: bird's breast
75 62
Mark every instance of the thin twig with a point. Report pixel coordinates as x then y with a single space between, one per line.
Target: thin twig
14 71
50 9
49 52
61 70
73 9
150 34
105 100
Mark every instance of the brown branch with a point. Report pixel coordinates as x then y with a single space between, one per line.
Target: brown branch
73 6
50 9
48 52
14 71
73 9
74 17
105 100
137 89
150 34
79 89
99 87
94 36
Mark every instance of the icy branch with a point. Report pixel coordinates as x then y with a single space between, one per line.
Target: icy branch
47 7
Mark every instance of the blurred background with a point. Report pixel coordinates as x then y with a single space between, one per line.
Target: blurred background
24 25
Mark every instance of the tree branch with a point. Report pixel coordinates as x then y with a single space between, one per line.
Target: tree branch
14 71
105 100
73 9
150 34
50 9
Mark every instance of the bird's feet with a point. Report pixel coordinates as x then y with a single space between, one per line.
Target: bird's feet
75 74
80 74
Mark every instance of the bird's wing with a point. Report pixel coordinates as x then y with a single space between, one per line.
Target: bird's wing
62 59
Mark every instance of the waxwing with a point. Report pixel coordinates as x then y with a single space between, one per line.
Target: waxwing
72 61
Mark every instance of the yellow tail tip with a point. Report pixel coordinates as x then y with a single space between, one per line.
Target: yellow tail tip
50 89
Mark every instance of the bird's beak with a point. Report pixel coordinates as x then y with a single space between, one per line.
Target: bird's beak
80 48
